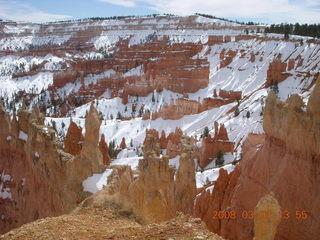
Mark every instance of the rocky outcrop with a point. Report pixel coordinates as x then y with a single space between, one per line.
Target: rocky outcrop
211 146
230 95
214 40
155 185
177 110
226 57
90 154
208 203
103 147
40 179
276 72
152 193
174 144
291 64
181 107
225 97
185 182
73 140
123 144
171 64
284 161
163 140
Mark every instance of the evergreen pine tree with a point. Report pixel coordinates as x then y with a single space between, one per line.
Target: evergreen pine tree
236 112
206 132
220 158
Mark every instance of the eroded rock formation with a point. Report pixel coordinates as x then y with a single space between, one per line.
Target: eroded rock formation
40 179
174 144
177 110
73 140
151 194
154 195
211 146
182 106
123 144
284 161
276 72
171 64
185 182
103 146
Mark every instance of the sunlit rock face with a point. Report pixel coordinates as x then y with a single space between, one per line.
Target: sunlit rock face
38 177
285 161
73 140
155 195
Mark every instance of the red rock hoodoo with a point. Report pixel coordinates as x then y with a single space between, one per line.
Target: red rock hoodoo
39 178
123 144
154 195
103 146
73 140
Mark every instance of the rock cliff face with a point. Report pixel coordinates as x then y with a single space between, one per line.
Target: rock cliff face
284 161
182 106
39 179
178 109
171 65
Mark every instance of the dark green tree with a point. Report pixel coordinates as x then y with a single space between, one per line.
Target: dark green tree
206 132
220 158
275 87
153 99
236 112
119 116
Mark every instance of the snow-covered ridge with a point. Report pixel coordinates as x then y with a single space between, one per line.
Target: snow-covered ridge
29 42
17 37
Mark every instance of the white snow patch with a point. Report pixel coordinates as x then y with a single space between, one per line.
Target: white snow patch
96 182
23 136
133 162
174 162
126 153
211 175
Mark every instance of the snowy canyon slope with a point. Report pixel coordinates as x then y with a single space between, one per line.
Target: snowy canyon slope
162 72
